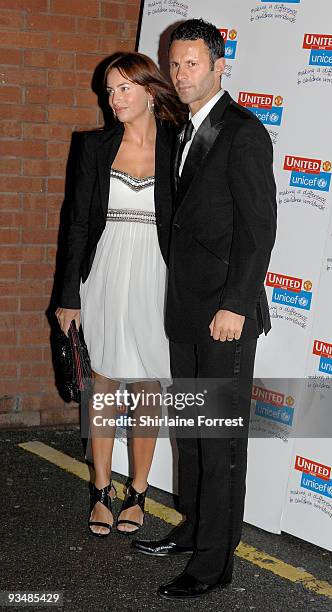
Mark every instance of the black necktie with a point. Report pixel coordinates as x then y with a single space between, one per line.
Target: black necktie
188 132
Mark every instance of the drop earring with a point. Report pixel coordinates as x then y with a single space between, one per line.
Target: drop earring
151 106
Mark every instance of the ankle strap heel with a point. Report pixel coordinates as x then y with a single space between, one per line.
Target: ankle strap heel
132 498
102 496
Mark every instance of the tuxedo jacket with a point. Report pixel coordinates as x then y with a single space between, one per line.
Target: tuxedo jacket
223 226
88 209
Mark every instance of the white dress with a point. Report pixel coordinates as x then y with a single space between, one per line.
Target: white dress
123 298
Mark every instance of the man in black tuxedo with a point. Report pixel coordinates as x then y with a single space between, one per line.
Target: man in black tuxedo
223 231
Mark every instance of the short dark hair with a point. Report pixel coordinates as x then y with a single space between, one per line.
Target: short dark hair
194 29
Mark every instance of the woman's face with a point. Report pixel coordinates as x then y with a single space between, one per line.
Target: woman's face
127 99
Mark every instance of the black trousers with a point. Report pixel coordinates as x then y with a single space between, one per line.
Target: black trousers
212 471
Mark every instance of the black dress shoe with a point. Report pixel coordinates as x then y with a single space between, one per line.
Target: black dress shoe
160 548
189 587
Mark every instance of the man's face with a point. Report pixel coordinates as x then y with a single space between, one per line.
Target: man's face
191 74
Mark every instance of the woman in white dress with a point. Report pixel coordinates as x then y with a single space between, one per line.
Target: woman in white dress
115 269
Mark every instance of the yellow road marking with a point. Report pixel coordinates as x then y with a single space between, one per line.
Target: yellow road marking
284 570
244 551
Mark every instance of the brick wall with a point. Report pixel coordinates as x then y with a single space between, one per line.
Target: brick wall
49 51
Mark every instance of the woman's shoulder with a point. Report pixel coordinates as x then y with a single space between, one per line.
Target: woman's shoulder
97 137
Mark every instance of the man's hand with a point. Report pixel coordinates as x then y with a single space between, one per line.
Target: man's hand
226 325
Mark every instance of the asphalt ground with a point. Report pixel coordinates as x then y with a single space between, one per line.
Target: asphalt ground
45 544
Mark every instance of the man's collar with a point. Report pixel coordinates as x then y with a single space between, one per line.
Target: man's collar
203 112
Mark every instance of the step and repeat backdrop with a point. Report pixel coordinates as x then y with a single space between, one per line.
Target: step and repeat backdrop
279 65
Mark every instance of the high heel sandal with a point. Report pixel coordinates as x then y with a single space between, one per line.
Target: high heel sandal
131 499
102 496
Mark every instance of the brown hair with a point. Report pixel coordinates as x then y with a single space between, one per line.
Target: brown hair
142 70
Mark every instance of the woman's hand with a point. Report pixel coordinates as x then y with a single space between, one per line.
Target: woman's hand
65 317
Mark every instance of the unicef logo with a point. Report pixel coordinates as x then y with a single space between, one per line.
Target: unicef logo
284 416
329 490
322 183
274 117
228 51
303 301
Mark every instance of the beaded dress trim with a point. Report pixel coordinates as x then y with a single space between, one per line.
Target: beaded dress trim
134 182
131 214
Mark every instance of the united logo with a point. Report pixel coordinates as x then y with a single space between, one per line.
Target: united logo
309 173
267 107
230 38
320 46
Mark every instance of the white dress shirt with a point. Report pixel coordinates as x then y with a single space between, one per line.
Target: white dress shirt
196 120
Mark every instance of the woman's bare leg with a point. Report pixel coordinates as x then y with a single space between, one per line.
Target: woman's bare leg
102 441
143 444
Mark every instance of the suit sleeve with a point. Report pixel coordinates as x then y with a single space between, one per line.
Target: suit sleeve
254 222
77 239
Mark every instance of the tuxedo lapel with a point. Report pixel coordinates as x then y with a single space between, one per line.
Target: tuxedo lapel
202 143
175 158
105 157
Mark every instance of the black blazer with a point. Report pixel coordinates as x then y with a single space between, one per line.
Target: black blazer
224 225
90 202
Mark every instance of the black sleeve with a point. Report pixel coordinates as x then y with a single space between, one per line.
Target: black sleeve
85 178
255 212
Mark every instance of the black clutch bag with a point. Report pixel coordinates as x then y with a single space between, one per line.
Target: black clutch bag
75 363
